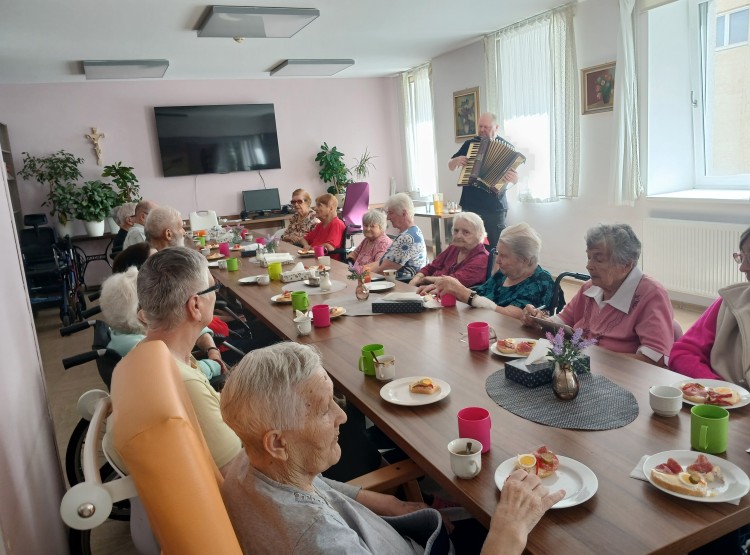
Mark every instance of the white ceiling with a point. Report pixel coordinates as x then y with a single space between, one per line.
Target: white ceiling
44 41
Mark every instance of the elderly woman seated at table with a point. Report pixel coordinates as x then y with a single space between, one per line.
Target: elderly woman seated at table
465 258
372 248
303 220
518 281
717 345
407 253
624 309
279 400
329 233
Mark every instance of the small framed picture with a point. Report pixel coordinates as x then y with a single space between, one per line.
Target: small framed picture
466 113
598 88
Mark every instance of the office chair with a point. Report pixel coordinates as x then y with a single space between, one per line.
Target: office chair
204 219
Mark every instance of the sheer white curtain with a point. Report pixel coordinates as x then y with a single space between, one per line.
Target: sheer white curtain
627 171
419 132
536 100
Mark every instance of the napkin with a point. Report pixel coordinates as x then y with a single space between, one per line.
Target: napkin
299 267
638 474
539 352
428 300
271 257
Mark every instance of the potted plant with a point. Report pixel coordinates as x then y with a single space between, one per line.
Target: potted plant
362 165
94 201
333 170
60 169
127 187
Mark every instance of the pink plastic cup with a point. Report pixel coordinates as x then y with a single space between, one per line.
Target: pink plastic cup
319 251
446 299
260 241
475 423
479 335
224 248
321 315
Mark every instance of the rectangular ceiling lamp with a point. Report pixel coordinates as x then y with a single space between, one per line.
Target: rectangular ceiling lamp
125 69
254 22
310 68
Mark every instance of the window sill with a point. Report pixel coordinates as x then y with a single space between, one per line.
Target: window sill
703 195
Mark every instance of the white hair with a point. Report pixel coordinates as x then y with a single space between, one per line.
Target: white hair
400 201
160 219
474 221
523 241
123 211
119 302
374 217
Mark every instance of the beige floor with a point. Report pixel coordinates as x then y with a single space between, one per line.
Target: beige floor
64 387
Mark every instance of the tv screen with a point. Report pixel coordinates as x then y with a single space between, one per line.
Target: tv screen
195 140
261 200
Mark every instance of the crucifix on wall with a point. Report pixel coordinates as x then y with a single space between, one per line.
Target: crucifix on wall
95 137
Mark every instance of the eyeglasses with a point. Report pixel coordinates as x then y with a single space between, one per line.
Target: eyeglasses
740 256
296 202
215 287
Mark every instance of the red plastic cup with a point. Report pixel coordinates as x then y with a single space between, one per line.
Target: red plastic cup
319 251
475 423
446 299
479 335
321 315
224 248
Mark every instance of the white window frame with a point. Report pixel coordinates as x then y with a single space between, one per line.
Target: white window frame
727 16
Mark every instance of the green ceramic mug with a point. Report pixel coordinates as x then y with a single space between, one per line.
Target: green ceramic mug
366 362
300 301
709 428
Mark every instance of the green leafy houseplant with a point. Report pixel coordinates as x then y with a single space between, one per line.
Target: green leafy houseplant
62 201
94 201
54 170
126 182
362 165
332 169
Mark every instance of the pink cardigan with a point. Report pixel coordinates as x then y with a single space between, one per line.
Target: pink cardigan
691 354
472 270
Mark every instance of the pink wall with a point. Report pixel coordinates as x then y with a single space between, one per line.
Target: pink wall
352 114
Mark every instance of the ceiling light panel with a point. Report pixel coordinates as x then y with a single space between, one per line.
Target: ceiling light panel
310 68
125 69
254 21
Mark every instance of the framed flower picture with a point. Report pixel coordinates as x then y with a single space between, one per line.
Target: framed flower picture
465 113
598 88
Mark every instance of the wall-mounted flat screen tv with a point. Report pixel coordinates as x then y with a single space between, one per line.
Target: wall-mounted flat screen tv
195 140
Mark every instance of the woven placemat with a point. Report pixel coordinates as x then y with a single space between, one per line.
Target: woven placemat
600 404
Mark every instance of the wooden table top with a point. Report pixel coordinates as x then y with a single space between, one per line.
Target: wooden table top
625 516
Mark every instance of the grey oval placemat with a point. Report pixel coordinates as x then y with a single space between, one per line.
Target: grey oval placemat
601 404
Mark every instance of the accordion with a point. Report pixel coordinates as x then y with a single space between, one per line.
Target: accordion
488 160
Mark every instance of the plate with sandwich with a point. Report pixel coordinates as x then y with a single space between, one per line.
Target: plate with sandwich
696 477
415 390
556 472
285 297
513 347
713 392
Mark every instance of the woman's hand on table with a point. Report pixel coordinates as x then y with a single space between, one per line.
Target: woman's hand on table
530 311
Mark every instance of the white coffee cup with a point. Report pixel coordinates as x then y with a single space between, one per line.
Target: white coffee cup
304 325
390 275
222 264
385 367
465 465
263 279
665 400
324 260
205 251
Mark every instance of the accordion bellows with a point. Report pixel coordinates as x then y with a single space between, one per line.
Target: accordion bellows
488 161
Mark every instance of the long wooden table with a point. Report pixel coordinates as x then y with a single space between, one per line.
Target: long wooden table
625 515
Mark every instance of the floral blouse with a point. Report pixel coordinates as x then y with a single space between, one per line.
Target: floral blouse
369 250
536 290
300 226
408 250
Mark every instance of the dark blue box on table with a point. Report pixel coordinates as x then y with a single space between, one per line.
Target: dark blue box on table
539 373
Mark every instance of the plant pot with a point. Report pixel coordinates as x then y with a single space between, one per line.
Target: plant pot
63 230
94 229
340 198
565 383
112 225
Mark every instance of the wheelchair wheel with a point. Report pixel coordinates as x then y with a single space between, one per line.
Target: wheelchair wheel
74 468
79 542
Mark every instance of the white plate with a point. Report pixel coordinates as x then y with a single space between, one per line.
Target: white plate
397 392
318 267
280 299
577 479
249 279
380 285
339 311
215 256
214 264
305 254
736 483
307 282
495 350
744 393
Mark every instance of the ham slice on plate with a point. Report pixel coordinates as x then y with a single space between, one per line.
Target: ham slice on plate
702 465
669 467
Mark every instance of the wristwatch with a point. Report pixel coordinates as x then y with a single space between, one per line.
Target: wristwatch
471 298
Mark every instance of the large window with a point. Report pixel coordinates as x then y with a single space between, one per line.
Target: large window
698 96
419 133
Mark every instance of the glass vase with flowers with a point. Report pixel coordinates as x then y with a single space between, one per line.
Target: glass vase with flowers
565 352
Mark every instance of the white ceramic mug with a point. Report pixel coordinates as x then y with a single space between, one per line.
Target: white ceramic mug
385 368
263 279
205 251
390 275
465 465
222 264
665 400
304 325
324 260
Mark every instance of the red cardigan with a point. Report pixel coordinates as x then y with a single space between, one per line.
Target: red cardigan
333 234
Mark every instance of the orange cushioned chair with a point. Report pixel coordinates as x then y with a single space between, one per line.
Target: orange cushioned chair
156 433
